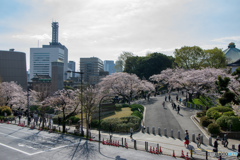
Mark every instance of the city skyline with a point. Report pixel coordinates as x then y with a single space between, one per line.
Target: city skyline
105 28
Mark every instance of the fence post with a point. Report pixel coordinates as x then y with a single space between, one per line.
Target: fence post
165 132
193 137
153 130
172 133
146 146
233 146
122 141
210 141
148 130
201 138
125 142
206 155
159 131
179 135
135 144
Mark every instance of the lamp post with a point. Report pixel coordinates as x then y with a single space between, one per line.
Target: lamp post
99 115
28 87
81 75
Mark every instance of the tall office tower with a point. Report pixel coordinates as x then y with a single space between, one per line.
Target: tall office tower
109 66
41 58
57 75
13 67
91 68
72 65
54 32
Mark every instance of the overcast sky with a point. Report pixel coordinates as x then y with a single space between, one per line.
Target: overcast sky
105 28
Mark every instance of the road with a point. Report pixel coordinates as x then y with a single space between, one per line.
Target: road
23 143
165 117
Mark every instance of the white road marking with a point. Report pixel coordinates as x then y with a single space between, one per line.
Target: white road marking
15 149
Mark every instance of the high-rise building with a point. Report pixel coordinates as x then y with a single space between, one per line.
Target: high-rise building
91 68
57 75
13 67
41 58
72 65
109 66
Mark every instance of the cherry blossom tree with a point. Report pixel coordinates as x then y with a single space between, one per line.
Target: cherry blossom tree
12 95
64 101
124 84
200 81
89 100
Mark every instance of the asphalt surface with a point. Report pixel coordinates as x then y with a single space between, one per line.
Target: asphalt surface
17 143
165 117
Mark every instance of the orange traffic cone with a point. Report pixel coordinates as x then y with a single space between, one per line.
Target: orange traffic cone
182 156
126 146
150 149
173 154
112 143
118 144
160 150
186 158
156 152
102 141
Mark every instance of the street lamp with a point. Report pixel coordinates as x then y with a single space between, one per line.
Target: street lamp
28 120
81 75
99 115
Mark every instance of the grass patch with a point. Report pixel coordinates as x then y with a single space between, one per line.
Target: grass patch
123 113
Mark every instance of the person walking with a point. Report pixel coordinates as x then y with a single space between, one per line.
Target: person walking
186 139
178 109
163 104
215 149
110 129
169 97
177 98
199 140
165 98
225 140
238 151
131 132
180 100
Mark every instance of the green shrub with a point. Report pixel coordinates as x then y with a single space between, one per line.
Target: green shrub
136 107
212 111
216 115
214 128
201 114
125 105
137 114
225 121
74 119
229 113
6 109
121 125
95 123
118 107
205 121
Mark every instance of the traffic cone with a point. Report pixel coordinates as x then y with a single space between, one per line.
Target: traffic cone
173 154
150 149
118 144
112 143
156 152
160 150
186 158
102 141
182 156
126 146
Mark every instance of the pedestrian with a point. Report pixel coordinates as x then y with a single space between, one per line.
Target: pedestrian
131 132
5 114
180 100
169 97
178 109
165 98
110 129
59 121
19 116
199 140
225 140
182 92
186 139
215 149
238 151
35 117
177 98
163 104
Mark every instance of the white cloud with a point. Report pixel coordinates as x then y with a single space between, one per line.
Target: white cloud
227 39
36 37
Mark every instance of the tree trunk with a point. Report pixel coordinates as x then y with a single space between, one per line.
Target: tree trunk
64 122
190 97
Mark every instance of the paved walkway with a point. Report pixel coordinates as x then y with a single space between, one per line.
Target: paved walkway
167 144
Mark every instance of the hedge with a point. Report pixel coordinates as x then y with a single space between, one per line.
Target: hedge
214 128
211 113
136 107
122 124
225 121
137 114
205 121
229 113
6 109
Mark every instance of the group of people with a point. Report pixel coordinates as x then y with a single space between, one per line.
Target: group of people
198 138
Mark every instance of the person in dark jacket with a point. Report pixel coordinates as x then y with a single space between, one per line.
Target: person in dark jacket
215 146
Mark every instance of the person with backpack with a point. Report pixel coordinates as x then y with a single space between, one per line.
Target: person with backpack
131 132
178 109
186 139
215 149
